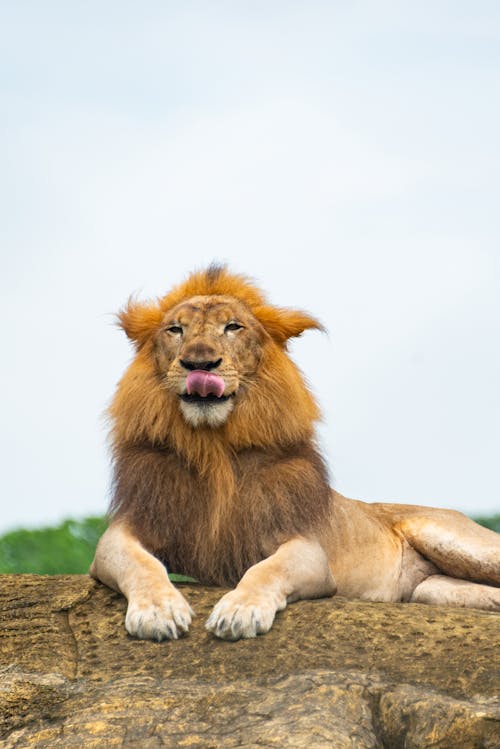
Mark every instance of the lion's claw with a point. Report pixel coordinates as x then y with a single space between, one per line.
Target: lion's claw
163 617
239 615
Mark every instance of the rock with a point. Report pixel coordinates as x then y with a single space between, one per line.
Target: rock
331 673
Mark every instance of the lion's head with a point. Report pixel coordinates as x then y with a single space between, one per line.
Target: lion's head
211 355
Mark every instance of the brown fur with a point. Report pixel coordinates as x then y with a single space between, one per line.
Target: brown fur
213 502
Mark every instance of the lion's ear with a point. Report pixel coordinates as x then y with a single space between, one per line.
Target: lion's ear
282 324
140 321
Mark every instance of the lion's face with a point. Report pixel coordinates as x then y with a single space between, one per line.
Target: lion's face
207 349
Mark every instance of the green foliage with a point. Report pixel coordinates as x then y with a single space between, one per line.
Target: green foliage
65 550
69 548
492 522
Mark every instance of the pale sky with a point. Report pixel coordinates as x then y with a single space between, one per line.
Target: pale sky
344 154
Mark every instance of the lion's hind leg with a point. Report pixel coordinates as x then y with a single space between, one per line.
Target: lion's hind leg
448 591
459 548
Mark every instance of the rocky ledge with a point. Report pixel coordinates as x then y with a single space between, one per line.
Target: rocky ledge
331 673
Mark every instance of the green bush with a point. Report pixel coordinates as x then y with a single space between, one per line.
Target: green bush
492 522
69 548
66 549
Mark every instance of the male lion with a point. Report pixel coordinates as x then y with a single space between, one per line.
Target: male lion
217 476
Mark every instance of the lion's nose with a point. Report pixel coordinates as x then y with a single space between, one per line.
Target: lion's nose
206 365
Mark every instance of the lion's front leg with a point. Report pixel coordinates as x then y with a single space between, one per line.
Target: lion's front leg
156 610
298 569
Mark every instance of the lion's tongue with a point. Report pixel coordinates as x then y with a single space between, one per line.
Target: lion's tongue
204 383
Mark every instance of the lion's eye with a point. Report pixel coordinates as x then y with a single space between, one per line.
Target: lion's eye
175 329
232 326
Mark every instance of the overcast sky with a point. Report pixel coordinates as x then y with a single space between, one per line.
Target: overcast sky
344 154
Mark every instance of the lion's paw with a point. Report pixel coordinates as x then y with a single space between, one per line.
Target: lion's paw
240 614
161 617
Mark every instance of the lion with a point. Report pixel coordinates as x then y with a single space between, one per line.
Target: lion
217 476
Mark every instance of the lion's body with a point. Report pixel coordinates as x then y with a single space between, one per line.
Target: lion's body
217 476
383 552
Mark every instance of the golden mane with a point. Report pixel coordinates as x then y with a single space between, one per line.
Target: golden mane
141 321
146 416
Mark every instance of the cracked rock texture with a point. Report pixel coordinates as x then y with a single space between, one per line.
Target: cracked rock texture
331 673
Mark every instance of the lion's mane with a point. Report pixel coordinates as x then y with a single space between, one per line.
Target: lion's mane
212 502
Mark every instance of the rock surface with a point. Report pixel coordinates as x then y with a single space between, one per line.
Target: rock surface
331 673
